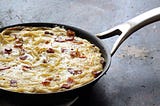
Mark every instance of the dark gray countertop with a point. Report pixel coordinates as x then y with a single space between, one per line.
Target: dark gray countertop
134 76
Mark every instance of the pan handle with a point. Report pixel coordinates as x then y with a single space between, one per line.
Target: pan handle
127 28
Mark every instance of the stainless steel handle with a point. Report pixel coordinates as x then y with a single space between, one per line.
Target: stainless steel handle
129 27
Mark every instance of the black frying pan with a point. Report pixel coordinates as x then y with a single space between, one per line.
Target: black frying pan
124 30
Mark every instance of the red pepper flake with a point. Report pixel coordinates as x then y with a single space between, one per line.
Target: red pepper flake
74 72
23 57
70 33
13 83
50 50
66 86
8 51
96 73
4 68
26 68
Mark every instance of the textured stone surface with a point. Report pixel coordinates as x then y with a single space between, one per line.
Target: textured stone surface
134 76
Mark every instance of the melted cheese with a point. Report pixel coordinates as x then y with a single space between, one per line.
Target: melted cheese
43 60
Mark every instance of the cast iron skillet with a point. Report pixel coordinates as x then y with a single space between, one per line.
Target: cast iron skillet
124 30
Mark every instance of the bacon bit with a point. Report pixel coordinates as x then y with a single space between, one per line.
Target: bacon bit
22 52
15 36
23 57
13 83
56 78
63 50
50 50
66 86
74 72
8 51
4 68
47 32
46 83
82 56
70 33
19 40
18 43
77 42
96 73
74 54
59 39
47 42
44 61
70 38
70 80
102 61
49 79
26 68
